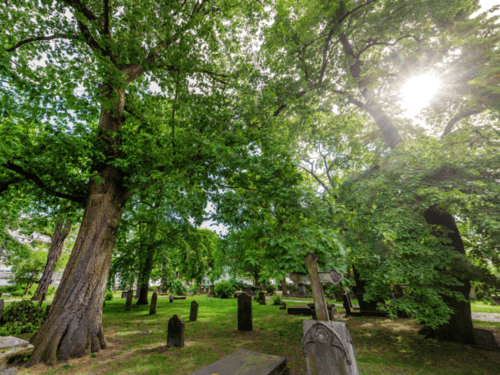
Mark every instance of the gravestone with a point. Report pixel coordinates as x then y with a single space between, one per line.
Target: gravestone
485 340
262 298
299 310
302 290
175 334
128 304
1 307
171 298
152 308
244 312
212 291
193 314
124 294
199 289
11 349
317 290
246 362
328 348
283 306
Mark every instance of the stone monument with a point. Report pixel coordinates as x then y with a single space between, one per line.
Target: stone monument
262 298
152 308
244 312
193 314
328 348
175 334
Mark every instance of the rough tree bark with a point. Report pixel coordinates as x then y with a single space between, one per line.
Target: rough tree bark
73 327
459 328
61 231
144 278
284 288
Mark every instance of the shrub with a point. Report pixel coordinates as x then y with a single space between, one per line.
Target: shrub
21 317
238 285
108 296
224 289
277 300
177 288
192 288
270 288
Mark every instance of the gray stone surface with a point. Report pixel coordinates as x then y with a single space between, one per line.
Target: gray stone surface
12 348
124 294
302 289
262 298
246 362
128 304
175 334
193 313
152 307
300 310
328 348
245 312
485 340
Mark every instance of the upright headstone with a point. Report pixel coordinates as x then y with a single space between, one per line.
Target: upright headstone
152 308
198 289
244 312
212 290
193 314
41 300
262 298
175 334
128 304
302 290
124 294
328 348
283 306
1 308
171 298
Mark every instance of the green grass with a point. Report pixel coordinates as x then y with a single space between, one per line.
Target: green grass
384 346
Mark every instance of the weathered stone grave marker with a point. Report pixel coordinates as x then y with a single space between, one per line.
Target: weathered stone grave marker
246 362
485 340
175 334
171 298
154 300
262 298
193 314
124 294
245 312
11 349
283 306
328 348
128 304
302 290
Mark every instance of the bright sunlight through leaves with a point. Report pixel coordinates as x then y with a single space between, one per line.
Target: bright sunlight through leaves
418 91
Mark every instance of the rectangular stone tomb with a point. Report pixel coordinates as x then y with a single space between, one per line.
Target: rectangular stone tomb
181 297
304 310
246 362
485 340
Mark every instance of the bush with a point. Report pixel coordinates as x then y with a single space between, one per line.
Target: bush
238 285
224 289
192 288
277 300
270 288
108 296
177 288
21 317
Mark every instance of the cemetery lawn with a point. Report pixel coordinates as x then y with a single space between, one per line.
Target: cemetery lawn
384 346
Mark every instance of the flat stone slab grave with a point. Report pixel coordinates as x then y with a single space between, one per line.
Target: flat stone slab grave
246 362
303 310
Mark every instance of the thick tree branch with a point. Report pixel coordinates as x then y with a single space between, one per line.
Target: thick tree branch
5 184
457 118
38 182
38 38
106 29
78 6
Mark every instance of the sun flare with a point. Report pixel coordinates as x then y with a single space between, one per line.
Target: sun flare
418 91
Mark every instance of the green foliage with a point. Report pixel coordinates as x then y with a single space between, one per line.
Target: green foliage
108 296
176 287
23 316
192 288
270 288
238 285
224 289
277 300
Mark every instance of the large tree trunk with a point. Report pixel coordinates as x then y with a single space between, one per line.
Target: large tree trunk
283 287
255 278
61 231
460 327
144 278
73 327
